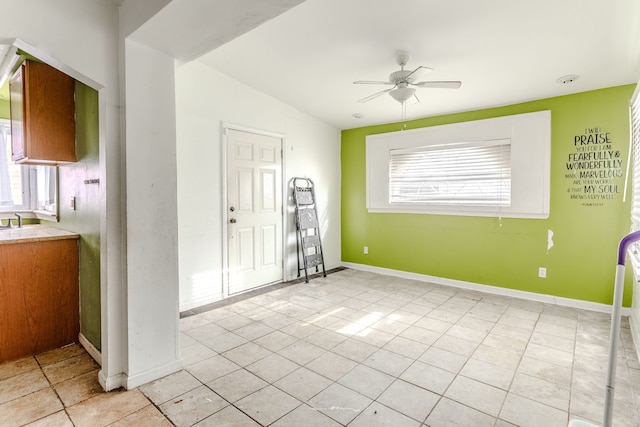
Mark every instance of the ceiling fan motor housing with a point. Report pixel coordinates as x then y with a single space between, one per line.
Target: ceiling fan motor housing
402 58
401 76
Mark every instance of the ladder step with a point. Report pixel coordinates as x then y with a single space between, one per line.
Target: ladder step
311 242
308 218
313 260
304 196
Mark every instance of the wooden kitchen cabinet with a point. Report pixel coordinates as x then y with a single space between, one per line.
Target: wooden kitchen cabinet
42 115
39 297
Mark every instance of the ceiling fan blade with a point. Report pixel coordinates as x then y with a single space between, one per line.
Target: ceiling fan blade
420 68
440 84
372 82
375 95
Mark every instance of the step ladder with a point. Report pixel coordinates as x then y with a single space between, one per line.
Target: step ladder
308 242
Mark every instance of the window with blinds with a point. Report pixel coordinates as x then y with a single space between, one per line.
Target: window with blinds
497 167
463 174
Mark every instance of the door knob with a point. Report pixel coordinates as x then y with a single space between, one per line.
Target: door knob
233 220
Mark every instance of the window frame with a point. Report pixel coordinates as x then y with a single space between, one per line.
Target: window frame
530 136
29 176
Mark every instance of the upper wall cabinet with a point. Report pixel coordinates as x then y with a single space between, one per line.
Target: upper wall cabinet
42 115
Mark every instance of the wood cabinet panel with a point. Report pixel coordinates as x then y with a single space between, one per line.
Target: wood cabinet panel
42 115
39 290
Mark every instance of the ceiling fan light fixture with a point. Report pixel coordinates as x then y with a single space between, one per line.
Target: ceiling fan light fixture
402 94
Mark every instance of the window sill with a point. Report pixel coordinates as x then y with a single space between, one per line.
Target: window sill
39 215
460 212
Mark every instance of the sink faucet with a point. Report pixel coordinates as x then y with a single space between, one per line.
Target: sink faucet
10 225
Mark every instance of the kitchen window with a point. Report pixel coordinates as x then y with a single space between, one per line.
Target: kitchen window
25 187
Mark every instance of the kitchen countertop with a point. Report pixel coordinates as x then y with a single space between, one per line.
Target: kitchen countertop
34 233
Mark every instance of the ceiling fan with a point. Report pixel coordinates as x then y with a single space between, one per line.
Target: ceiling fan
402 80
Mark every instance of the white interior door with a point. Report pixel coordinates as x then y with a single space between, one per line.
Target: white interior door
254 210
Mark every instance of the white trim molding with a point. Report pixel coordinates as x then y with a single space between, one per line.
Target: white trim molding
496 290
111 383
149 375
90 348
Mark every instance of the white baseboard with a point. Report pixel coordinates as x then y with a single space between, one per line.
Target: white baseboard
111 383
90 348
133 381
496 290
188 305
129 382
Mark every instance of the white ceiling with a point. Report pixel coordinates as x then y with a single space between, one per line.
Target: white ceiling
504 52
185 29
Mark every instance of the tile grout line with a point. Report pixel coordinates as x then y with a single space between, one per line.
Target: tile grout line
53 388
458 373
515 371
573 371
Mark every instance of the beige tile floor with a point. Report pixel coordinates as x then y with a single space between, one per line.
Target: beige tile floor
60 388
356 349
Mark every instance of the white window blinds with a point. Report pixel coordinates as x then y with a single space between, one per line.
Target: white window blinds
471 174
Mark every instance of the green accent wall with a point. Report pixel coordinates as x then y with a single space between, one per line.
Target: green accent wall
4 109
85 220
505 253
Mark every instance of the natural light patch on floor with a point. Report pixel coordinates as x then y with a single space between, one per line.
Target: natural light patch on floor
390 319
362 326
325 315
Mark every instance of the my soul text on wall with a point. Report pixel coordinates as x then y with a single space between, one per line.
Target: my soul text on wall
594 172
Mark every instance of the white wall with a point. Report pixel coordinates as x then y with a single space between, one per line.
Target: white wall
152 237
205 99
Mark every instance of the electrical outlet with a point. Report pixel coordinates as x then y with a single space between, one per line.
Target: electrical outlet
542 272
366 250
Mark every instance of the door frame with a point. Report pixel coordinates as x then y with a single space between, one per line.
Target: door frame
225 126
